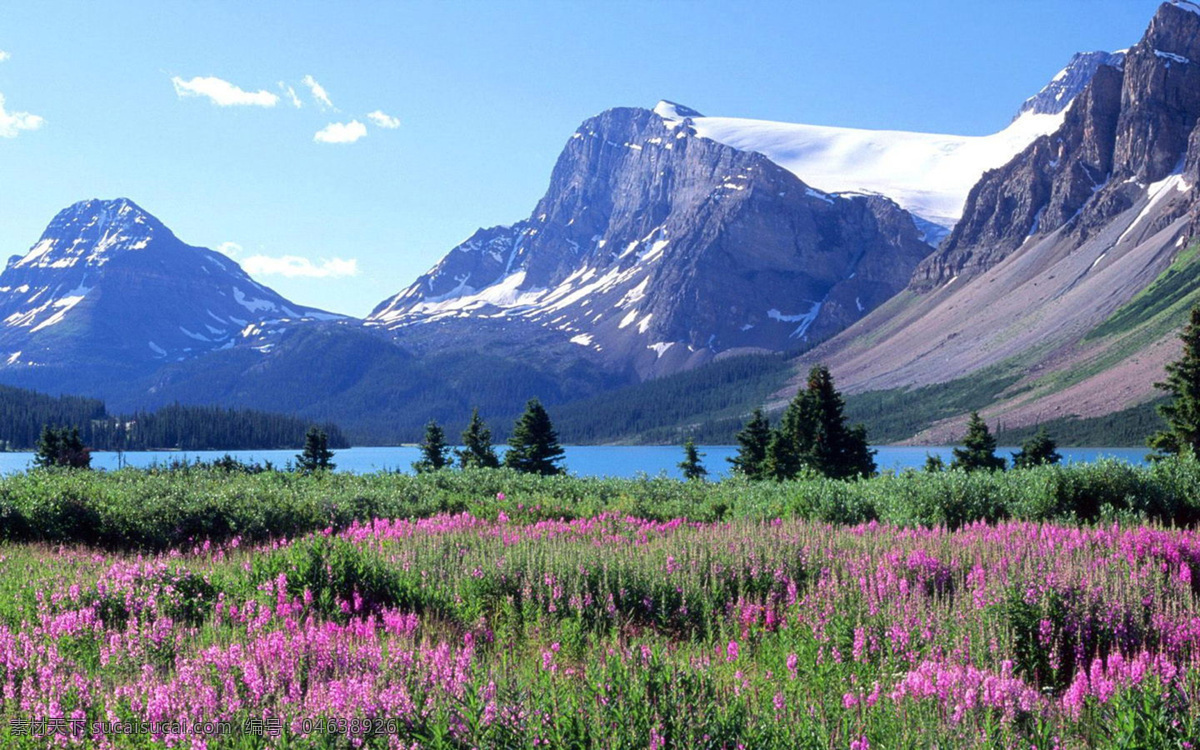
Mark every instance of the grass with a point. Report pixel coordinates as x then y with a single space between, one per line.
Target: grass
157 510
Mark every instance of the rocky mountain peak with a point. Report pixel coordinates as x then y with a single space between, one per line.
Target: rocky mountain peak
655 249
91 232
1057 95
108 281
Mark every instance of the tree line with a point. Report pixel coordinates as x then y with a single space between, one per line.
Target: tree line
25 414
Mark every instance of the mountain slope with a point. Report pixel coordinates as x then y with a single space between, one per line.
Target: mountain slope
1073 232
656 249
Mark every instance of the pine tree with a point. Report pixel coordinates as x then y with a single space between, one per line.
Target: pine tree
533 447
1038 450
934 463
1182 413
316 455
753 443
979 448
435 454
691 466
477 451
814 434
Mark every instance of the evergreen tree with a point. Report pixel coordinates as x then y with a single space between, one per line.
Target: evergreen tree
1038 450
435 454
62 447
316 455
1182 413
47 448
934 463
73 453
533 447
783 450
753 443
814 434
691 466
979 448
477 451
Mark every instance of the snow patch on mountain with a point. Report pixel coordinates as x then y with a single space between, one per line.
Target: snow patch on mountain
928 174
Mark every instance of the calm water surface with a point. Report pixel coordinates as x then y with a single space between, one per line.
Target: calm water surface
583 460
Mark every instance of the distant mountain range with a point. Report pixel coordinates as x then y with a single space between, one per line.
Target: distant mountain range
1051 258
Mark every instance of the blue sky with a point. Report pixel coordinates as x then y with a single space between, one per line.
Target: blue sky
103 100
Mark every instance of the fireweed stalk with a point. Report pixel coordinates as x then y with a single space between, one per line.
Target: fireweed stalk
612 631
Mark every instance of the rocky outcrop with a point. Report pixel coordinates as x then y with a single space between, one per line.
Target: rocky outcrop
656 249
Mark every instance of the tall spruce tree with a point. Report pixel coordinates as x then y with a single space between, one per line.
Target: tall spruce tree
753 443
435 454
477 451
533 446
316 455
691 466
978 452
1182 412
1039 450
814 434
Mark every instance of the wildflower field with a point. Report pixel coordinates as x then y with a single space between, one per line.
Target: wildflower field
503 626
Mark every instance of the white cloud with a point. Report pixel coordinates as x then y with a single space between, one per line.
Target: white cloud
318 92
384 121
223 93
12 123
232 249
291 95
341 132
293 266
4 55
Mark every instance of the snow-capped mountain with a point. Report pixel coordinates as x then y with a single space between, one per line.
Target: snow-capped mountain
667 238
107 282
656 248
927 174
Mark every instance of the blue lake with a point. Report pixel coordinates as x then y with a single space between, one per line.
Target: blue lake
582 460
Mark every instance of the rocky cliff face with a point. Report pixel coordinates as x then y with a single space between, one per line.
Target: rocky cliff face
109 286
657 249
1129 130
